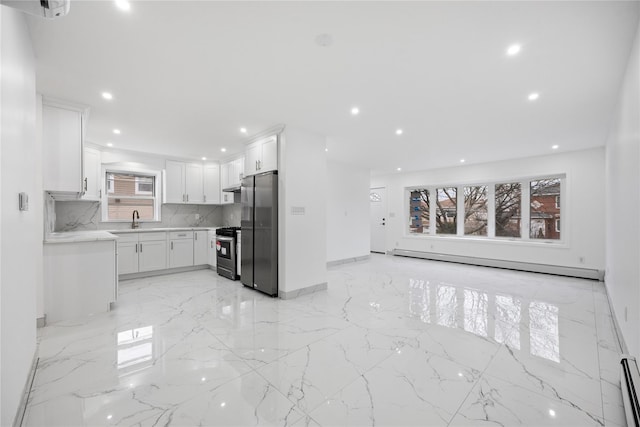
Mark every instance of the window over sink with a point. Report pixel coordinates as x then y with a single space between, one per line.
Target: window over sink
128 191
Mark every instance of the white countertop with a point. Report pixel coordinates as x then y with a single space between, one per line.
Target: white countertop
143 230
92 236
79 236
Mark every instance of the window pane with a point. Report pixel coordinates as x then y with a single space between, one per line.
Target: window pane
130 192
123 208
419 211
508 199
446 211
129 185
475 210
544 209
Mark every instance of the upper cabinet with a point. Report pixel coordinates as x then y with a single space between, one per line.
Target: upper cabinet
231 174
183 182
92 174
63 139
262 156
211 184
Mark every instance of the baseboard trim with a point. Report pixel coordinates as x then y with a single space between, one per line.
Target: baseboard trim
584 273
302 291
26 392
347 260
616 325
161 272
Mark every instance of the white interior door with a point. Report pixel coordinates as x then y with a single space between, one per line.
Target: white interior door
378 199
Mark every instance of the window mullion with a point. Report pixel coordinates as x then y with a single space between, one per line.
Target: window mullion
491 210
525 224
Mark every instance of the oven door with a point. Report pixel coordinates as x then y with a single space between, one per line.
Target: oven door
225 248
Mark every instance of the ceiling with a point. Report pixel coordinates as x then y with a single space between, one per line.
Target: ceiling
187 75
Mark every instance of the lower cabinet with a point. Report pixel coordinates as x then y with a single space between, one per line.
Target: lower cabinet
211 248
152 255
180 249
144 251
200 248
140 252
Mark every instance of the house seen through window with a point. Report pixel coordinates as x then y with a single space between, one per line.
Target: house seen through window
127 192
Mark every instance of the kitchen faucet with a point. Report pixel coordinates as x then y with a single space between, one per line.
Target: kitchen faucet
135 215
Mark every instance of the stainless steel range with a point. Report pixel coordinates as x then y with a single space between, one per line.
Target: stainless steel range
226 252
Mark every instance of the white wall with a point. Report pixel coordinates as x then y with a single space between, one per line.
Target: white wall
623 204
348 234
21 244
302 183
583 215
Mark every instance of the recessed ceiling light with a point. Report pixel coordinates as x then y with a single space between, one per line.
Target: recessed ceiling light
123 4
204 158
461 160
398 131
223 149
399 169
243 130
116 131
326 149
109 144
552 413
355 111
324 40
514 49
533 96
109 416
107 95
555 147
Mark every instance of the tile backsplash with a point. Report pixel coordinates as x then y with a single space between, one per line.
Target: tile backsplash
86 215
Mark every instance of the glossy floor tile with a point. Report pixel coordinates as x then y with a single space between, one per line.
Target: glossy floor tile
392 342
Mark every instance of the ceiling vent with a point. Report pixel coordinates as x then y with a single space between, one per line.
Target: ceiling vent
49 9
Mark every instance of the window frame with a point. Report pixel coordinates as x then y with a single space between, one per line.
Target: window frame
525 196
128 169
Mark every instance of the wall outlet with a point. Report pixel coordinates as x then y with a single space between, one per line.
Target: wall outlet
581 260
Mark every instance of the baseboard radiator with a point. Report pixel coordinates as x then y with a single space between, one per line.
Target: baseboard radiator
630 381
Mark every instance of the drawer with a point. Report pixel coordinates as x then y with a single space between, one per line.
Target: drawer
152 236
175 235
127 238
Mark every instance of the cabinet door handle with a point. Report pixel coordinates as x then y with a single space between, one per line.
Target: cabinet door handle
136 248
100 193
256 165
212 244
140 247
195 235
85 184
171 245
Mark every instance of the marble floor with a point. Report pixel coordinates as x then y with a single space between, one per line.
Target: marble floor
392 342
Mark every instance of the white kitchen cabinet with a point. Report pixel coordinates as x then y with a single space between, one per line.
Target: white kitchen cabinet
152 251
174 182
183 182
62 136
262 156
231 174
194 183
79 278
141 252
211 184
127 257
92 174
200 245
180 249
211 248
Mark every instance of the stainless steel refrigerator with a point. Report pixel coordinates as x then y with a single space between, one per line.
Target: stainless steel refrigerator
259 223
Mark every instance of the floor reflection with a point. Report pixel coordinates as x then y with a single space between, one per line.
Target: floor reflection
521 324
135 350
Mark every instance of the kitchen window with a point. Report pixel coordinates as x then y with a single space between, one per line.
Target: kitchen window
129 191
